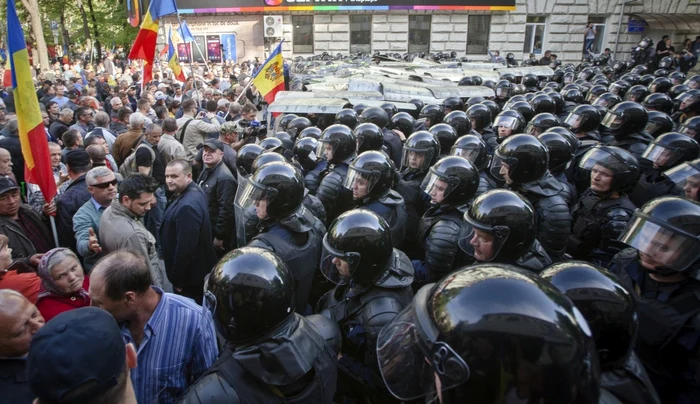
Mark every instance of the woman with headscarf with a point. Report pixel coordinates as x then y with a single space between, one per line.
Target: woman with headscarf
64 285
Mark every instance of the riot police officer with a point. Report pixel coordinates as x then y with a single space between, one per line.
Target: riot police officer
373 286
610 311
541 122
297 125
370 179
251 296
658 124
507 123
446 137
686 176
665 152
504 231
420 152
369 137
480 117
661 267
561 153
583 121
503 91
459 122
603 210
430 115
337 144
347 117
312 164
391 141
626 121
451 183
472 148
472 338
522 161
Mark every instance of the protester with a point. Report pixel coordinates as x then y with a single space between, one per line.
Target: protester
219 185
26 230
128 141
64 285
192 131
168 147
75 195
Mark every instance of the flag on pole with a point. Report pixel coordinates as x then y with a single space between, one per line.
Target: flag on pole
144 47
173 62
30 126
269 80
175 36
160 8
184 32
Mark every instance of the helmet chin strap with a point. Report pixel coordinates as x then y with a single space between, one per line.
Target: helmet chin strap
602 195
662 271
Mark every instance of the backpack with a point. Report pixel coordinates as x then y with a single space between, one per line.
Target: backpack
129 167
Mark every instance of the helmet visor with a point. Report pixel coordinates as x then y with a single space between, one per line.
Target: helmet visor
506 121
485 244
590 97
470 153
612 120
662 156
661 246
410 359
360 183
416 159
602 102
326 149
687 130
254 197
503 91
686 177
574 121
502 166
568 79
337 266
615 89
438 187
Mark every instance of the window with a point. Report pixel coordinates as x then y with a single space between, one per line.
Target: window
534 35
478 33
418 33
599 24
360 33
303 33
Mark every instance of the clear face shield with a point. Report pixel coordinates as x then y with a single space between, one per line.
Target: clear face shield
360 183
438 187
250 206
662 156
412 361
338 266
687 130
502 166
483 245
660 246
574 121
686 177
416 159
503 92
612 121
533 130
470 152
509 122
602 102
326 149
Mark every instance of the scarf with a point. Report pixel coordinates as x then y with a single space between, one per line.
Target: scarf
50 287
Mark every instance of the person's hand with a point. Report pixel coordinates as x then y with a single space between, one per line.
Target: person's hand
35 259
179 290
400 135
218 244
49 209
63 178
93 243
340 355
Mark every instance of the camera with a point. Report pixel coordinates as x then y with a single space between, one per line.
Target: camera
253 128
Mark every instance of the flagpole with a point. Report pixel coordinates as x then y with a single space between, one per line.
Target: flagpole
194 79
247 86
52 220
250 82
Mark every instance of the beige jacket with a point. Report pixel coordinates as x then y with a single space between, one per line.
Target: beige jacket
195 135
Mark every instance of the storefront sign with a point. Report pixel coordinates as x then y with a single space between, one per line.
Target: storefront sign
242 6
637 26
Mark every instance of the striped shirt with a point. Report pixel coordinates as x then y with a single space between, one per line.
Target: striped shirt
179 344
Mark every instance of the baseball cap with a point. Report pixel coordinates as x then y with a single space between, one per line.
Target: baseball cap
77 158
214 144
76 349
7 184
160 95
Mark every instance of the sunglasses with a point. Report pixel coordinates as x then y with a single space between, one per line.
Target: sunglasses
105 185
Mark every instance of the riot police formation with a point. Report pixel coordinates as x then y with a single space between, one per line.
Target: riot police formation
549 226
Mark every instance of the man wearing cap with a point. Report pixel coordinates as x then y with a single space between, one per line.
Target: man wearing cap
26 230
19 321
175 340
220 186
80 357
75 195
83 123
161 97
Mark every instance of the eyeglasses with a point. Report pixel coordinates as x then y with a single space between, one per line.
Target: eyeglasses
105 185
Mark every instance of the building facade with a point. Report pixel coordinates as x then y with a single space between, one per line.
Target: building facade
522 27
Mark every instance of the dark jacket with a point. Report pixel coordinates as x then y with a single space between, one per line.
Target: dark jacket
20 244
14 383
11 143
57 129
67 204
219 185
188 249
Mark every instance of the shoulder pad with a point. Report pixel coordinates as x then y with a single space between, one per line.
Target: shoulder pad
400 273
379 312
392 198
619 214
210 389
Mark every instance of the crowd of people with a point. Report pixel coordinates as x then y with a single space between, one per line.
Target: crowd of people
542 245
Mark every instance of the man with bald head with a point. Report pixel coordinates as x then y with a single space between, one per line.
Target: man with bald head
19 320
6 164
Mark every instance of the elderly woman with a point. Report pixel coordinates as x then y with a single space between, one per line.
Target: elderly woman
18 275
64 285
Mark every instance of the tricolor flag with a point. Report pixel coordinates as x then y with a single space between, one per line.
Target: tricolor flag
269 80
173 63
144 47
184 32
32 135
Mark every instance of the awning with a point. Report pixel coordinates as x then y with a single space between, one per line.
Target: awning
672 22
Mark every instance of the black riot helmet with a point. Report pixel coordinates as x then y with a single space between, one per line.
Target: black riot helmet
666 62
677 78
459 121
626 118
359 108
585 74
607 100
357 247
453 104
419 107
472 148
347 117
522 157
568 77
658 102
568 135
477 99
250 293
369 137
341 141
541 122
451 181
619 87
530 80
559 102
607 306
543 103
480 116
272 144
420 151
462 333
245 158
508 76
693 81
508 218
595 91
524 109
478 80
508 122
445 135
390 109
370 175
513 100
305 153
560 150
279 184
504 89
671 149
267 158
313 132
403 122
691 127
493 106
689 101
657 124
284 121
286 139
466 81
666 232
584 118
660 85
677 90
433 114
646 79
297 125
686 176
637 93
614 161
376 116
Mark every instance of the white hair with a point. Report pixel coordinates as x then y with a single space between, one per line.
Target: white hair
136 120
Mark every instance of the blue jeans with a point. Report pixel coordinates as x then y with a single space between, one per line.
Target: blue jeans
588 44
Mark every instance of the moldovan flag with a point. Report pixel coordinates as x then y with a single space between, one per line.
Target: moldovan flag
32 136
144 47
173 63
270 78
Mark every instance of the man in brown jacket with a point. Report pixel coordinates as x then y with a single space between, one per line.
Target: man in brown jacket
130 139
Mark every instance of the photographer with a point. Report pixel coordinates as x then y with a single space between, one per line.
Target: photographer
589 37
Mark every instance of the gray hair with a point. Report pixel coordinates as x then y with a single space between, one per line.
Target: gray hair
66 112
59 256
101 119
153 126
95 173
234 108
136 120
114 101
